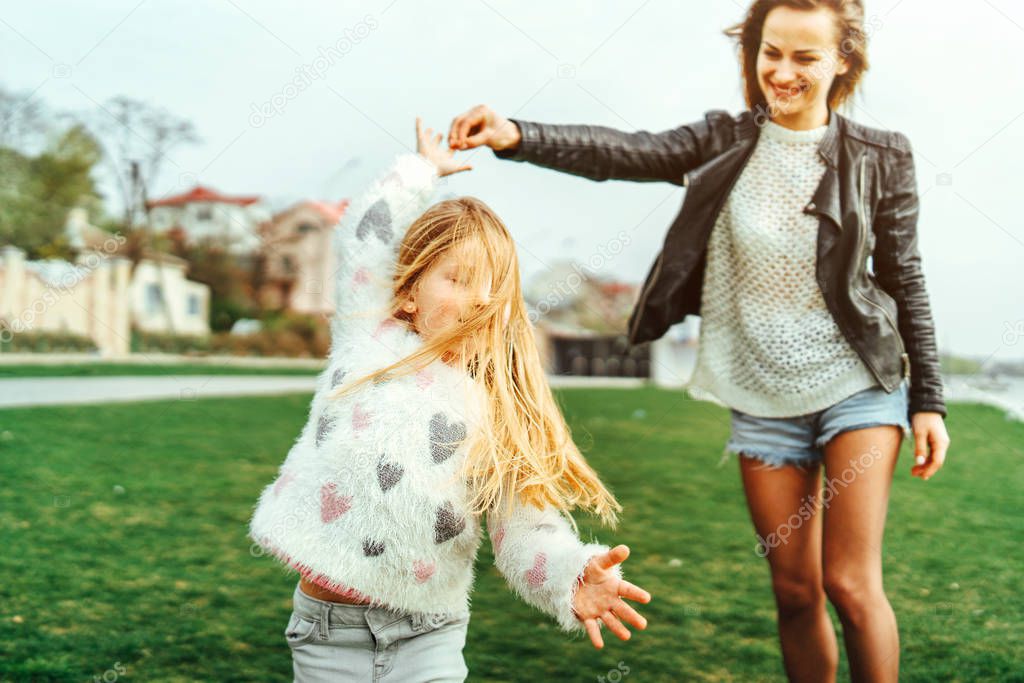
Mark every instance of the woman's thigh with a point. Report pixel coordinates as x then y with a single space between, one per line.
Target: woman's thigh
859 467
784 507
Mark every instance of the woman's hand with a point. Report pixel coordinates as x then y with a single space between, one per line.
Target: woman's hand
430 147
481 125
930 443
600 597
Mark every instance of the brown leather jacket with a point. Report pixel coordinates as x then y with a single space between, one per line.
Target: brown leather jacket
867 206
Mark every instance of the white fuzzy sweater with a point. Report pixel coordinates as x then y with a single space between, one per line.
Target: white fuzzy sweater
366 501
768 344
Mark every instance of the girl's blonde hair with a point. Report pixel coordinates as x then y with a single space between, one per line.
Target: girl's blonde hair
524 447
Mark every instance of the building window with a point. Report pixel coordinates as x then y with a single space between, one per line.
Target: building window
288 265
193 304
154 298
204 213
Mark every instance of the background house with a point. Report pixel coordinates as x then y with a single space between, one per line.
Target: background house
298 257
161 298
205 214
87 299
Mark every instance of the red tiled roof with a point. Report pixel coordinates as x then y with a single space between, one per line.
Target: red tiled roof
202 194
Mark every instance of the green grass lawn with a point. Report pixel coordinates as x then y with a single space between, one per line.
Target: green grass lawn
125 553
110 369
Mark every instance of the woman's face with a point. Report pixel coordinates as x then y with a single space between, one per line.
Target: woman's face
798 59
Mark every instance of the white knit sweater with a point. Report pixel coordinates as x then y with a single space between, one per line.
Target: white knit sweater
366 501
768 344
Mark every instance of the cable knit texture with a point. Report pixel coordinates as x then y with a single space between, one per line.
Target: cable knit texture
768 344
367 501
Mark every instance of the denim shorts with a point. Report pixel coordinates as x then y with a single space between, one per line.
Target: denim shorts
332 641
800 440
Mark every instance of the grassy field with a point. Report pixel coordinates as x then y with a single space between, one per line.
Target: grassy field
112 369
125 555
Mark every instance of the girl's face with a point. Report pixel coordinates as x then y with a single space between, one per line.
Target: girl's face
798 60
442 297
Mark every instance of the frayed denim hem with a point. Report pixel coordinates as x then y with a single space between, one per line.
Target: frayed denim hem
773 460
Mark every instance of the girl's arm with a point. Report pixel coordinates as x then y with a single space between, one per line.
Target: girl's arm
366 239
542 559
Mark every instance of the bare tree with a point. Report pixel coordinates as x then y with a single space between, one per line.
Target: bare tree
23 119
137 139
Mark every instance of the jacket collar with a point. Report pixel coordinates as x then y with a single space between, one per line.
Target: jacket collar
828 148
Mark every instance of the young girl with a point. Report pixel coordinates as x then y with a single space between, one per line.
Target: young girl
433 411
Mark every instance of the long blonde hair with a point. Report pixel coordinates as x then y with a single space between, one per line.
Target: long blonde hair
524 447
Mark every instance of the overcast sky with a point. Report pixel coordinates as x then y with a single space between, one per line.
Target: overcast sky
950 79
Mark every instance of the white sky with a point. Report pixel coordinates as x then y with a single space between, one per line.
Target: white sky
951 80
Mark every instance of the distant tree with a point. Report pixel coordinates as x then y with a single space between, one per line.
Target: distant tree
36 192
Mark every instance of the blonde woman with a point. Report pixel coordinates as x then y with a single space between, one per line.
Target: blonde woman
797 245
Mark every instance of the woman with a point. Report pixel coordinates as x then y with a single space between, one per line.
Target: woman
822 359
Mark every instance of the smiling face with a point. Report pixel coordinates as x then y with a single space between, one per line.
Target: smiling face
442 296
797 61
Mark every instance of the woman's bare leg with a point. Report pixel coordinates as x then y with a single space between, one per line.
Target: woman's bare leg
859 467
774 496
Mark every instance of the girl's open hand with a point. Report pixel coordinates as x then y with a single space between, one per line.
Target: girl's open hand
600 599
429 146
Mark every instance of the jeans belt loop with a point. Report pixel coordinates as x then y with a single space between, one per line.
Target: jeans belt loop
325 621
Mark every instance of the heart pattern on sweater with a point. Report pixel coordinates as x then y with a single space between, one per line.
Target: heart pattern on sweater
332 505
445 437
538 573
323 428
448 525
424 379
388 474
423 570
337 376
372 548
282 481
497 538
377 220
360 418
361 276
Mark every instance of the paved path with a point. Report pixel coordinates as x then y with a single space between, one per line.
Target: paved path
41 391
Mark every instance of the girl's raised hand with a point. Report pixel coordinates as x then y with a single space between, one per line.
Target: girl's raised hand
429 146
599 600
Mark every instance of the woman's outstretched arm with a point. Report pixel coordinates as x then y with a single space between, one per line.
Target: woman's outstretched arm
594 152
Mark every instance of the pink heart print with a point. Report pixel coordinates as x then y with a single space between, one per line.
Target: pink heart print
360 418
423 570
332 505
282 481
499 536
538 574
424 379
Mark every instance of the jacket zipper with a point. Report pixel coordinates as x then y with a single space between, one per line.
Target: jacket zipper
861 237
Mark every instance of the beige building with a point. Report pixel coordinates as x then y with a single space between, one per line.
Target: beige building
297 246
99 296
88 298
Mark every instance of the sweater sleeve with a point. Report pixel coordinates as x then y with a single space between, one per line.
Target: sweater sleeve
541 558
367 237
